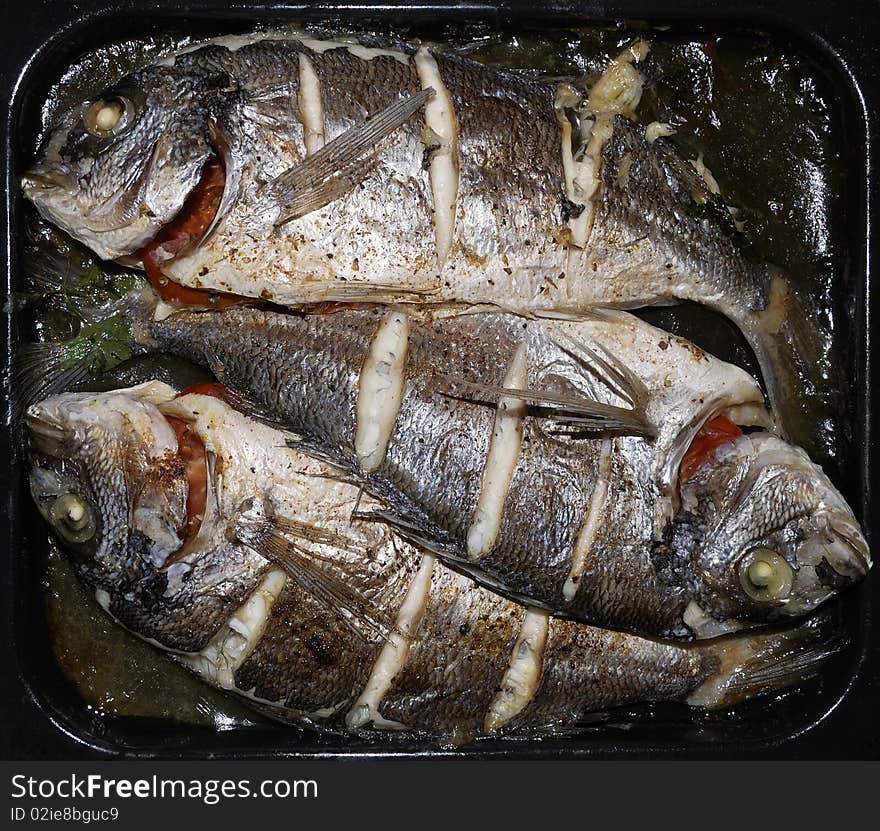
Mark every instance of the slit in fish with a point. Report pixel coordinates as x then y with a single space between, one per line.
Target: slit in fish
579 170
232 645
440 137
380 390
392 658
504 448
617 92
365 53
587 535
523 675
311 106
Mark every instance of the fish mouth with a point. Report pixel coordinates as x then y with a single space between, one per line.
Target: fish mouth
840 555
832 561
111 226
39 180
849 533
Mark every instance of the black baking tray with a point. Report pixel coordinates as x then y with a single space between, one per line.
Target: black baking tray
837 717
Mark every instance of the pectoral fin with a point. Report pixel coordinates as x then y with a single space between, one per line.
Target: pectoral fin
290 546
338 166
574 412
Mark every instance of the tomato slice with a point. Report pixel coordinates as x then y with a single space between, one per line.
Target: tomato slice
187 228
714 433
191 451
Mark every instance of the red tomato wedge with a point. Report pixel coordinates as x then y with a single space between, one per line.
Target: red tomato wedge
714 433
191 451
187 228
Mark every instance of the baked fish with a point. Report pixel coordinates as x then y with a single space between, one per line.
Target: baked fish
307 172
199 529
592 468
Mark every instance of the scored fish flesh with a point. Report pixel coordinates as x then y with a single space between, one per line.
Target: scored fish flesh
197 528
544 457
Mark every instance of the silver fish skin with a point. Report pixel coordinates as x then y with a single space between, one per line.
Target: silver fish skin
502 190
594 524
457 661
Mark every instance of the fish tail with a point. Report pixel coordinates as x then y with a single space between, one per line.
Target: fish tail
752 663
109 307
43 369
788 345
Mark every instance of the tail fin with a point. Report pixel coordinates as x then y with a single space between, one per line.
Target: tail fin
54 266
44 369
787 342
753 663
106 304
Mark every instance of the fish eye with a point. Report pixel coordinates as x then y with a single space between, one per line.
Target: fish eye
73 518
108 116
765 575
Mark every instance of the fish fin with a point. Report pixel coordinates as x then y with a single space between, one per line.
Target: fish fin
787 342
349 291
40 370
339 165
285 543
575 413
753 663
357 503
43 369
609 370
314 533
314 449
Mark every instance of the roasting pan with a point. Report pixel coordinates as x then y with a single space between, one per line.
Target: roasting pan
835 716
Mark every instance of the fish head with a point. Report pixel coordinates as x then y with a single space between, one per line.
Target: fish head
106 476
776 538
119 166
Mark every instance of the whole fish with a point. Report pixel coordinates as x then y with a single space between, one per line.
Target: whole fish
302 171
199 529
592 468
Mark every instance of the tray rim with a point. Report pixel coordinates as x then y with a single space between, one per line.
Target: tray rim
753 15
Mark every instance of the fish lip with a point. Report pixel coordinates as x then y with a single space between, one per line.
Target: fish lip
36 179
48 175
848 532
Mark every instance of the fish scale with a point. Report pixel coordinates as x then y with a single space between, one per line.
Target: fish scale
438 475
305 661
